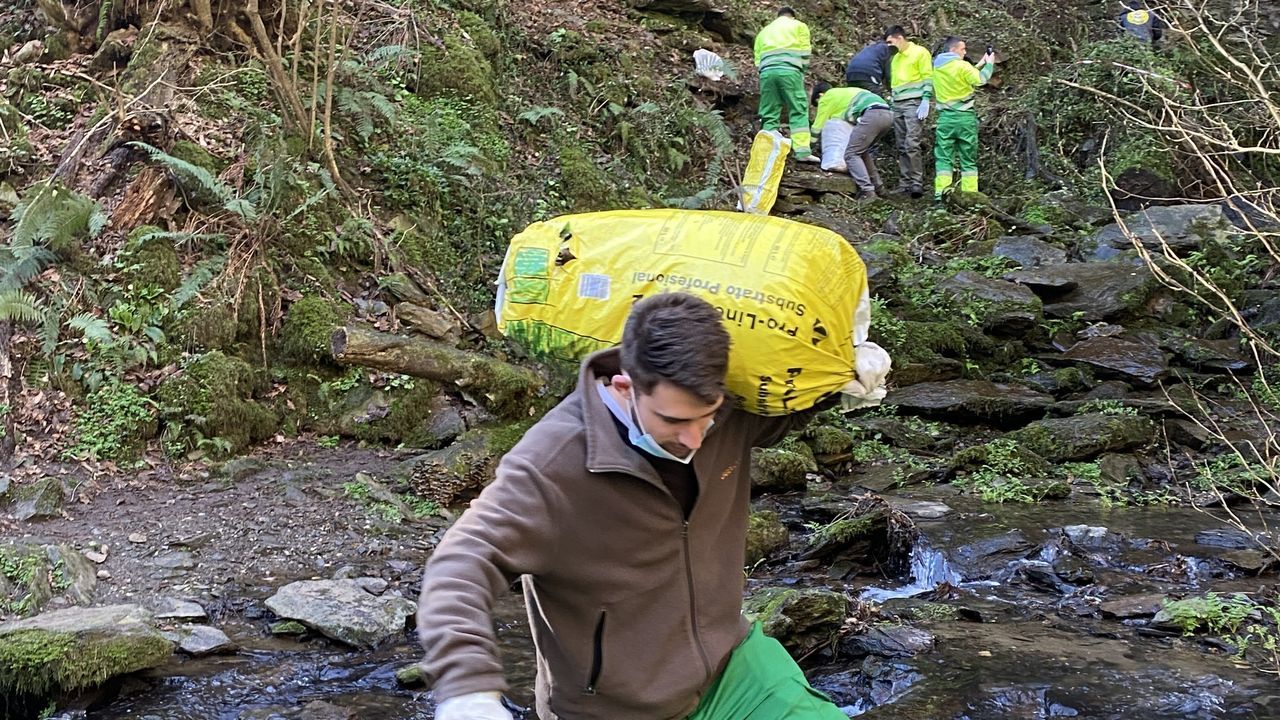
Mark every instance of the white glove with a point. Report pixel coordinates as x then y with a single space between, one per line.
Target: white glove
923 112
871 368
475 706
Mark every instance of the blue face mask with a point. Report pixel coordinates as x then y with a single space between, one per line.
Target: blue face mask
636 434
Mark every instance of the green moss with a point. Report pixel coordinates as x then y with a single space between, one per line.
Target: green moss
20 567
457 68
585 185
308 325
799 619
407 418
150 262
36 662
782 467
209 405
765 535
197 155
205 325
483 38
844 531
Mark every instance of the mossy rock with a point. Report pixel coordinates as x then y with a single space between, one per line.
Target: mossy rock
415 417
1028 463
205 325
766 535
77 648
198 156
801 619
782 468
151 262
1083 437
586 186
481 35
458 472
308 325
31 575
218 389
457 68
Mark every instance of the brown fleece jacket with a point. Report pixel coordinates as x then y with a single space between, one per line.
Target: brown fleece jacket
634 610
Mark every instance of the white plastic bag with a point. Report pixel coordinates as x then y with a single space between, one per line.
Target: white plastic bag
708 64
835 138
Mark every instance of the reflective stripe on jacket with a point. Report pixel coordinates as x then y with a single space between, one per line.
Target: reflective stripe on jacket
783 44
955 80
911 73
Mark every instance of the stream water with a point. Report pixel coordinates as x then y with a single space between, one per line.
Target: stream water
1005 646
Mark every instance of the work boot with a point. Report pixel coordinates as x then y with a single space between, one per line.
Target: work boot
917 193
809 159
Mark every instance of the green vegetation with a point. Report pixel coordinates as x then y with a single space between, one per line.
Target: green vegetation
392 508
115 423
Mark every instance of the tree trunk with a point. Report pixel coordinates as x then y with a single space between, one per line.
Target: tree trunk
508 389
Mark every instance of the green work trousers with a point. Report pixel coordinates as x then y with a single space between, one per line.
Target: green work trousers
956 144
762 682
784 88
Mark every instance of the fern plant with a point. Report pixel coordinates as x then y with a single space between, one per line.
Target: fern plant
201 183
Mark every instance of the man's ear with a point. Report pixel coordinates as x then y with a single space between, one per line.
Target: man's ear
622 383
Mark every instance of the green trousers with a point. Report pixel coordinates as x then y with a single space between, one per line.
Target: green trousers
762 682
956 143
782 88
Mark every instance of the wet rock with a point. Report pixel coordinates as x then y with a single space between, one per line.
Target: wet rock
1254 561
33 575
1227 537
971 400
766 535
782 468
1063 381
802 620
1209 355
1186 432
77 648
882 478
1029 252
201 640
1132 606
1095 290
323 710
1083 437
1007 308
895 432
1074 570
169 608
1089 537
1131 360
869 537
987 557
342 610
921 509
38 500
1182 227
888 641
1042 575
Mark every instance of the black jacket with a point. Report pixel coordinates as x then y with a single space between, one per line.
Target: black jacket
872 60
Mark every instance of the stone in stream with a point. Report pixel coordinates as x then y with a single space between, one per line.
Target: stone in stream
77 648
888 641
1007 308
987 557
1130 360
200 640
343 610
1083 437
979 400
801 619
1226 537
1095 290
782 468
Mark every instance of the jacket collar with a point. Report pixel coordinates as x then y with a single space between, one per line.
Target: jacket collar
606 450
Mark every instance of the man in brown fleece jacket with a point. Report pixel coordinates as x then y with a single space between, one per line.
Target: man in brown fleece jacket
624 514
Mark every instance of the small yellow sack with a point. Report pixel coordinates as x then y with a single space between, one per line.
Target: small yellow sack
764 172
793 296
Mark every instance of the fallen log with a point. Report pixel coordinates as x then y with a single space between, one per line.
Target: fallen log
508 390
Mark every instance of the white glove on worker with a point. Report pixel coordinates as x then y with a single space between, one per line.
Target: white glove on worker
872 366
475 706
923 112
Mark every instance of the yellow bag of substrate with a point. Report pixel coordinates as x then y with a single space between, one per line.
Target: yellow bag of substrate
793 296
764 172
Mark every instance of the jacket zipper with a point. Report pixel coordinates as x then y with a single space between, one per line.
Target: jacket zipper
597 657
693 603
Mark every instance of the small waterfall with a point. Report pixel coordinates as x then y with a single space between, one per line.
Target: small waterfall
928 568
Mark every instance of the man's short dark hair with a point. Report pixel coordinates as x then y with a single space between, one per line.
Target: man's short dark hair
784 10
893 30
678 338
818 89
951 42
